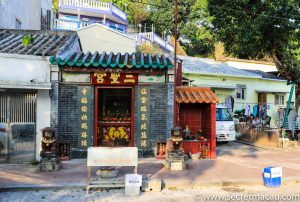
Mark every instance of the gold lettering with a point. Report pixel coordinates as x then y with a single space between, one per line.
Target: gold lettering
144 143
144 135
129 78
100 76
84 100
83 143
84 117
114 77
143 117
143 100
84 91
83 134
143 108
84 126
129 81
143 126
144 91
84 108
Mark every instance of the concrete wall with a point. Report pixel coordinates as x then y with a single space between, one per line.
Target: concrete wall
22 71
29 72
43 110
99 38
26 11
253 85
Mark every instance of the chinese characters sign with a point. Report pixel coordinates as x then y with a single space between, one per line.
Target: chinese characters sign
84 125
106 78
143 116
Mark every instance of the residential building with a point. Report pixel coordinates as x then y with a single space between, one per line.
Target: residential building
245 87
76 14
26 14
27 80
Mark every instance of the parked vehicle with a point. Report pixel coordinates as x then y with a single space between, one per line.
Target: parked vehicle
225 128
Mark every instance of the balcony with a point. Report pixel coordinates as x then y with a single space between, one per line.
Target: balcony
68 24
93 9
60 24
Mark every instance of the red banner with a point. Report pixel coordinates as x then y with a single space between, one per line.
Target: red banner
114 79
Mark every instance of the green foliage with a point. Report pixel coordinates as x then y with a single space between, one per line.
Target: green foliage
194 24
252 29
136 11
27 39
55 5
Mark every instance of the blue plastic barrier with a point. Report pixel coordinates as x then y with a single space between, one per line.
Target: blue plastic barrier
272 176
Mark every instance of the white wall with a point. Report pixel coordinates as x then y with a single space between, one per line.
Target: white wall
21 71
100 38
42 117
16 71
253 66
27 11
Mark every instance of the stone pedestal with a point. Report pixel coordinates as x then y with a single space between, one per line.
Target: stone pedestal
175 161
151 185
49 165
195 156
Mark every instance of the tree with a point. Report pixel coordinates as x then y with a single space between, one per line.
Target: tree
255 28
194 27
137 12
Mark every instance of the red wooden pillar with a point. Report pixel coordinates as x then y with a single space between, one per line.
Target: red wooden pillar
213 131
179 74
177 82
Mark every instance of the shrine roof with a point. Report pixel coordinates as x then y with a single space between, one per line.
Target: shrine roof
45 42
112 60
186 94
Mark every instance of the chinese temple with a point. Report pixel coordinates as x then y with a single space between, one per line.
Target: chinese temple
113 100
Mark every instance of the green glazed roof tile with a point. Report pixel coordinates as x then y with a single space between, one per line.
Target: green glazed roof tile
104 60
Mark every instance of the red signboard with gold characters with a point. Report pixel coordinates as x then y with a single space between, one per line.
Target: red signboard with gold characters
110 78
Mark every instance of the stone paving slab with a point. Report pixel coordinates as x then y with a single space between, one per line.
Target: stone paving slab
242 165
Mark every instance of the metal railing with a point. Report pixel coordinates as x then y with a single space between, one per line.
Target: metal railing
145 37
87 4
17 107
96 5
61 24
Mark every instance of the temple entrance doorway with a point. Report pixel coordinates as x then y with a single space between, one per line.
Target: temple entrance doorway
114 114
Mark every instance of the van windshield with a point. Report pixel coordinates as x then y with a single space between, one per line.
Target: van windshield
223 115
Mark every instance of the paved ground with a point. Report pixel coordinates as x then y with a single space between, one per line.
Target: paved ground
222 193
238 163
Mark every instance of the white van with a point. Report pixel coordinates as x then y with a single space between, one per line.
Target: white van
225 128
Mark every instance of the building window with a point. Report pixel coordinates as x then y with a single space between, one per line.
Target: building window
279 99
18 24
241 91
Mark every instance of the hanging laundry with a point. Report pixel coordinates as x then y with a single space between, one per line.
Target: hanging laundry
255 111
247 110
260 111
228 104
232 102
265 109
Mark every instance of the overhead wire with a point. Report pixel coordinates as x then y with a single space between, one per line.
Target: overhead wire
230 9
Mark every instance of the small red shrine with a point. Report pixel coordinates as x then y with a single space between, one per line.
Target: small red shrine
197 111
